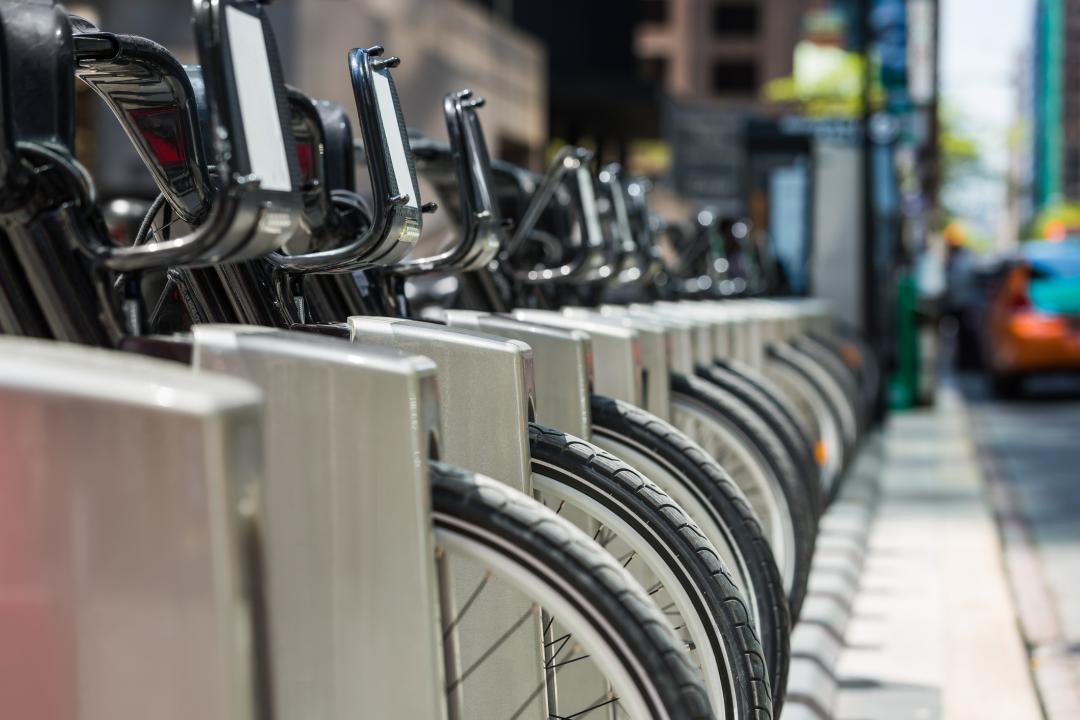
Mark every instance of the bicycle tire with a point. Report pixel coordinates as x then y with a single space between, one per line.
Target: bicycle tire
737 417
857 351
490 520
827 390
685 462
622 491
842 375
851 356
770 408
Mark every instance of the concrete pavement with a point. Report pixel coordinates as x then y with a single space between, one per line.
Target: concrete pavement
933 633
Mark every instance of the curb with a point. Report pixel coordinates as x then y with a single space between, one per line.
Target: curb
1054 664
818 638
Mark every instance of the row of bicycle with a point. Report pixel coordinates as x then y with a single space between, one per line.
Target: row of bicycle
262 458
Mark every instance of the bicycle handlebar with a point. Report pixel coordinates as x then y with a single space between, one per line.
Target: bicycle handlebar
258 206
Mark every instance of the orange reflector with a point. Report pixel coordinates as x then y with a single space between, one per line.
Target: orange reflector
819 452
851 355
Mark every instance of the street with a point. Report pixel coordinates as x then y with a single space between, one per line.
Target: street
1030 448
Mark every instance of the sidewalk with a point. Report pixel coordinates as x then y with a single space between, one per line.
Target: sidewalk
933 631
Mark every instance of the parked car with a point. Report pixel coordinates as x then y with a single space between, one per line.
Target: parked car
1032 320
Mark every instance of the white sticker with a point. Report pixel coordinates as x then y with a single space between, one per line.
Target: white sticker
258 105
399 161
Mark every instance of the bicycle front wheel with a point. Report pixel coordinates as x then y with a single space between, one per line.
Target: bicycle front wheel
614 625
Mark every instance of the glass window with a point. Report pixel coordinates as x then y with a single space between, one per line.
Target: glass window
653 70
735 19
654 11
738 77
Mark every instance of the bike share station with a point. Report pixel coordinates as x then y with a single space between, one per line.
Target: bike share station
258 461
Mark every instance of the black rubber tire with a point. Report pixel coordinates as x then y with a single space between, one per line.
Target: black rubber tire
868 361
770 408
765 384
735 415
810 372
560 556
851 356
646 508
844 376
689 464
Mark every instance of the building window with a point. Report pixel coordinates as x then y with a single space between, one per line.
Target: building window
653 70
653 11
734 77
735 19
1072 165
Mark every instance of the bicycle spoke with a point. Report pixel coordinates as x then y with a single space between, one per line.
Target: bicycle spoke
528 701
563 640
567 662
581 713
491 650
608 538
468 604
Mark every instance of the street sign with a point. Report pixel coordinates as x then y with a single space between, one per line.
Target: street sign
920 50
708 155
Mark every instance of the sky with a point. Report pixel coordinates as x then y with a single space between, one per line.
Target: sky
981 41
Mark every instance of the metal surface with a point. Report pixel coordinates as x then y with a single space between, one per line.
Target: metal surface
681 332
481 231
129 502
349 545
562 372
562 367
485 396
717 336
617 365
485 391
396 210
251 215
148 91
655 339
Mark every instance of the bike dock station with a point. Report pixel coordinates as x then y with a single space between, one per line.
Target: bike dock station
266 456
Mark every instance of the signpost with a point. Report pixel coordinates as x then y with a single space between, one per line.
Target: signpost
708 155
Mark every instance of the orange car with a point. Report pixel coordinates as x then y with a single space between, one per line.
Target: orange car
1032 322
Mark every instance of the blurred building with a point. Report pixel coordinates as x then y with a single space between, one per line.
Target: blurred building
600 94
1055 99
445 45
720 51
1021 169
613 64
